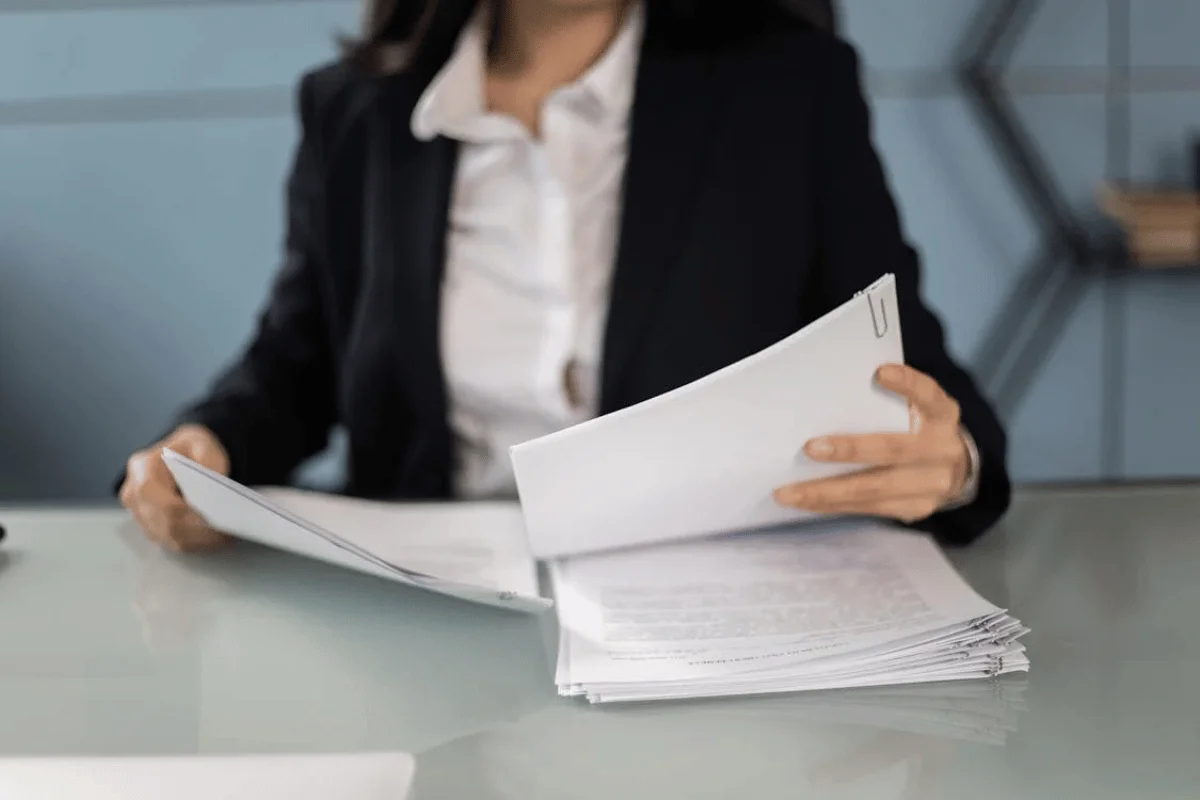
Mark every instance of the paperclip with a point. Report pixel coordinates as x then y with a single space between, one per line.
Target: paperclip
878 320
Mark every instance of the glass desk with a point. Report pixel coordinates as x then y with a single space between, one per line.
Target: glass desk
110 646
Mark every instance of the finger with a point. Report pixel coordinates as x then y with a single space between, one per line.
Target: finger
900 509
200 445
141 496
158 473
877 449
858 489
888 449
151 487
930 399
905 509
857 492
148 468
204 452
135 477
198 448
161 511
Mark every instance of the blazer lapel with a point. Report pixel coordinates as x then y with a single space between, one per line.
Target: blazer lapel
669 139
406 230
410 201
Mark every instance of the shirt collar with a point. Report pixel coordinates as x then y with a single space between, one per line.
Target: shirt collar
455 97
611 80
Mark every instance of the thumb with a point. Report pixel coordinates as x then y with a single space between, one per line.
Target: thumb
200 445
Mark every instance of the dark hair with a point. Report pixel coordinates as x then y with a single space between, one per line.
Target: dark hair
419 35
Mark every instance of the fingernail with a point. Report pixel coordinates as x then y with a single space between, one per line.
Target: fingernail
820 448
887 373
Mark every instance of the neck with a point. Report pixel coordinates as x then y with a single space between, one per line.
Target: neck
551 42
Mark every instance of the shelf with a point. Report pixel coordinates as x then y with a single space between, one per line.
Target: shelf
1162 227
1050 81
1101 80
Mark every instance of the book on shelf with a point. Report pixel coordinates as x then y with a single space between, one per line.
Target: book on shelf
1162 226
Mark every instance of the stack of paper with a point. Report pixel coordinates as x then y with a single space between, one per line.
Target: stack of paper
852 604
473 551
660 596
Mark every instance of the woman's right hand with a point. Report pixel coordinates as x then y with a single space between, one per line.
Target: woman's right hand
150 493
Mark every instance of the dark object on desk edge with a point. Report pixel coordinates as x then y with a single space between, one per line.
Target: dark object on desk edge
2 532
1196 164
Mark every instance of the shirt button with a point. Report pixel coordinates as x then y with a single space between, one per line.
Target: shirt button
571 383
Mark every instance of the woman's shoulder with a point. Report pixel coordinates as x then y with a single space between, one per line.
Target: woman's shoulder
337 101
332 97
333 81
795 62
798 46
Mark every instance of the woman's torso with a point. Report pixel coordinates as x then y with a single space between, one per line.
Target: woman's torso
703 258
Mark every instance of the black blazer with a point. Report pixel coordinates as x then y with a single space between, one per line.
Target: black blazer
753 203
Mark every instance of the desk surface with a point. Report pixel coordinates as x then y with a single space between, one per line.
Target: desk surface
109 646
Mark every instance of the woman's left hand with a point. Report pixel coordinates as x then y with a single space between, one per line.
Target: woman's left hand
910 476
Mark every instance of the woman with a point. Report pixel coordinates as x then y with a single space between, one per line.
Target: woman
506 216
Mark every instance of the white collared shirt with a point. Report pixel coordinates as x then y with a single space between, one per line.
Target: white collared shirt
532 240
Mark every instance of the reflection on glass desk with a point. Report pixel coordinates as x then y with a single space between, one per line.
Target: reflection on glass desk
111 646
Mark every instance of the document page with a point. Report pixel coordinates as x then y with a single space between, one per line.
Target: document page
834 582
481 544
846 603
705 459
383 776
476 552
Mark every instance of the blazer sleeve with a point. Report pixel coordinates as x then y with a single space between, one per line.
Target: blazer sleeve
860 239
276 404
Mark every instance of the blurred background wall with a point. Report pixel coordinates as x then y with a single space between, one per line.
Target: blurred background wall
143 145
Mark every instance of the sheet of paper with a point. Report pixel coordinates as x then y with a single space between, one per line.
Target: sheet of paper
705 458
838 604
478 544
475 552
384 776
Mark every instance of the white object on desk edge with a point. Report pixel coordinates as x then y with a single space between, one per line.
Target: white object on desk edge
363 776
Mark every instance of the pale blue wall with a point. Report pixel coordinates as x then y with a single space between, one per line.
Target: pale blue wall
142 149
974 234
143 143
